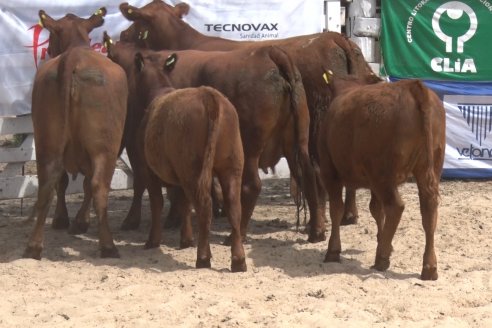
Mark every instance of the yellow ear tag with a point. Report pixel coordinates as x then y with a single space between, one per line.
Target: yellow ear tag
40 23
98 12
145 35
326 78
108 42
170 61
130 11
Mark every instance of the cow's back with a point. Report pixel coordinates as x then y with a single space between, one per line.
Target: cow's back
177 132
86 107
377 131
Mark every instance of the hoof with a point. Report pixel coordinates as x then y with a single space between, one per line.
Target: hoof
316 236
130 225
429 273
32 253
110 253
332 257
186 244
60 223
151 244
77 228
381 264
349 220
239 265
203 264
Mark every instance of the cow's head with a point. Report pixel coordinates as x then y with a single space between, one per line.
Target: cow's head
152 77
70 30
155 25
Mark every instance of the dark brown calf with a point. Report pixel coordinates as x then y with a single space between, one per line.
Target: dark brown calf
376 136
78 113
188 136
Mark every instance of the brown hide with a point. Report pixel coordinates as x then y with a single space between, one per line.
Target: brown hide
265 88
78 112
375 137
158 25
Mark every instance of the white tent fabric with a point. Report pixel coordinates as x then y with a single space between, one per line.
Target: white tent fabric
24 42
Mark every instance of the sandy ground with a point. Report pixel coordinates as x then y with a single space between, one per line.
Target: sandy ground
287 284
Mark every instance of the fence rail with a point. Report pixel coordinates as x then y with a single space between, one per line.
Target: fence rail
15 184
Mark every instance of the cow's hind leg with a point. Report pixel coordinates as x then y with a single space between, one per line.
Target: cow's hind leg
231 190
334 189
154 187
177 210
250 190
307 180
100 183
81 222
203 207
134 216
48 177
351 215
393 207
60 218
377 213
428 209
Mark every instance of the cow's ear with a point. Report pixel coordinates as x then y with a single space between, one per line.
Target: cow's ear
46 21
170 62
133 13
182 9
139 61
96 20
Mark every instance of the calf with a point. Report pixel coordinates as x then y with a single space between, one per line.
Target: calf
188 136
376 136
78 112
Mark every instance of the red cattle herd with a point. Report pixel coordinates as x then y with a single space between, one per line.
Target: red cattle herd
238 107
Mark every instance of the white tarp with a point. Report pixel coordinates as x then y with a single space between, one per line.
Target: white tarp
24 43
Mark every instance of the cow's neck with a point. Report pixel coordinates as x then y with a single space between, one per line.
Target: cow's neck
78 39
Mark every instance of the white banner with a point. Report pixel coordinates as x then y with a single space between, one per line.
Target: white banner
255 20
24 42
468 135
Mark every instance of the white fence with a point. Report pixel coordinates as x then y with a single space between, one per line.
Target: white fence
15 184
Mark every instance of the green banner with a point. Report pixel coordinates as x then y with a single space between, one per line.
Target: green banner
437 39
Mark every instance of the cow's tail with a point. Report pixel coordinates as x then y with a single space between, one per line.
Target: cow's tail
68 85
214 111
292 76
421 95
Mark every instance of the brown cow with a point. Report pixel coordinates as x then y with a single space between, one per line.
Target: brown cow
78 112
189 135
160 26
266 90
123 53
376 136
